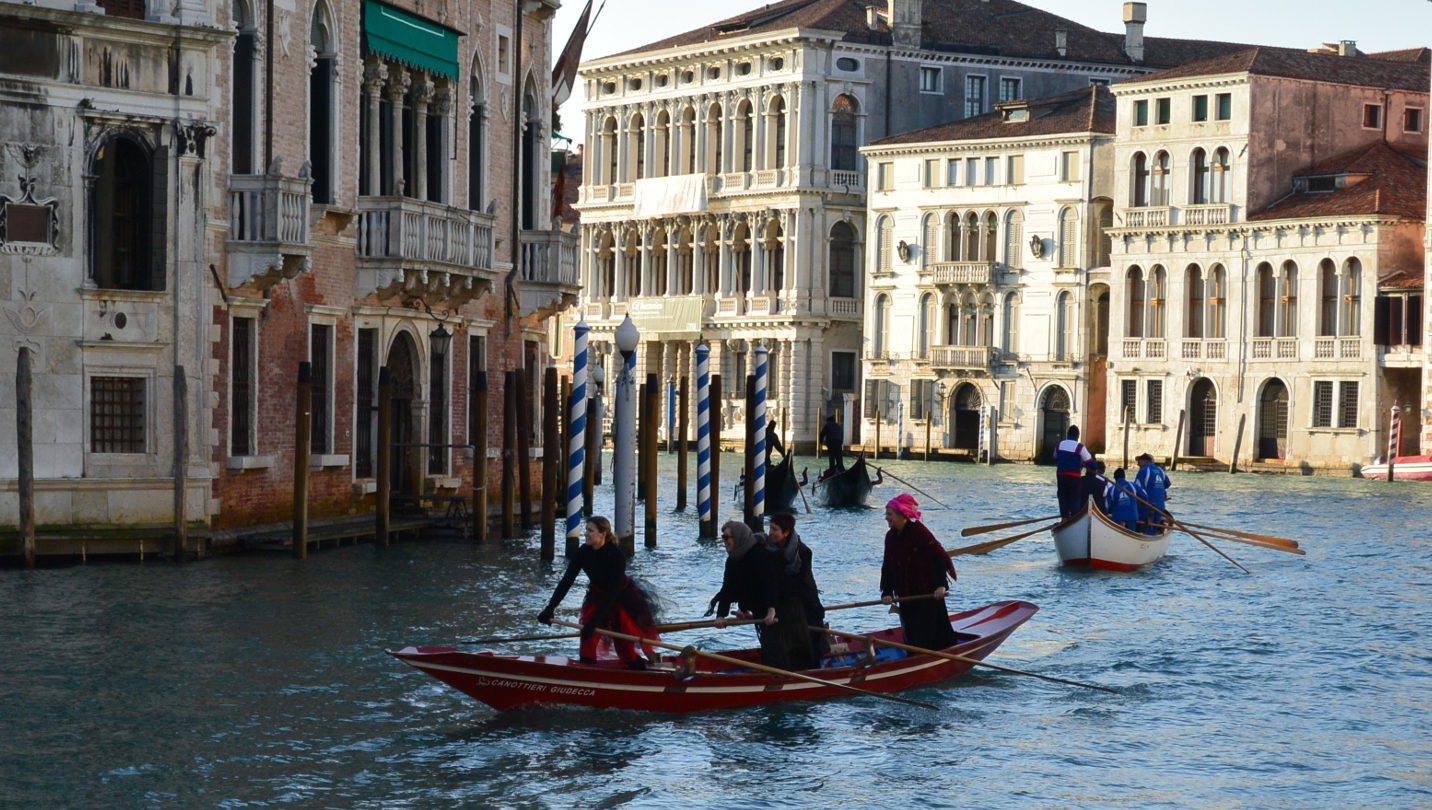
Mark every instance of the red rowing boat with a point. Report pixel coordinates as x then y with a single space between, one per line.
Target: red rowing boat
690 684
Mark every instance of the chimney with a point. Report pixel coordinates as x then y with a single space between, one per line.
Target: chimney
1061 41
906 22
1135 15
872 18
1347 47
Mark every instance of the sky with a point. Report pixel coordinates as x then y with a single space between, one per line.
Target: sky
1376 25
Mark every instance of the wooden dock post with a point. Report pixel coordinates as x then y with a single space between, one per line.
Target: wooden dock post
1177 438
715 429
571 543
524 449
652 414
181 463
592 442
683 404
479 456
302 446
509 448
25 445
930 420
1237 444
879 417
384 511
748 469
552 466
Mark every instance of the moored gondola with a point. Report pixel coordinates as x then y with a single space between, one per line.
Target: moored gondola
848 487
782 491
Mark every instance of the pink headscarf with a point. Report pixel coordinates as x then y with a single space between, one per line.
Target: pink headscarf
905 505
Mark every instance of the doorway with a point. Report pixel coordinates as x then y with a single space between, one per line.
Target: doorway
405 469
965 418
1054 416
1273 421
1203 418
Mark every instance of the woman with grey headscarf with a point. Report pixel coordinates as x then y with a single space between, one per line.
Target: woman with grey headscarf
752 583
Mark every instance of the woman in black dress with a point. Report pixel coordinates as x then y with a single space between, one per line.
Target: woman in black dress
613 602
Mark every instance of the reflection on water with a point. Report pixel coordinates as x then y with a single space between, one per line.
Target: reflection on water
259 681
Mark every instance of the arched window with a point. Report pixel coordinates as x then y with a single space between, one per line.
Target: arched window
661 133
658 262
1159 180
711 259
882 326
842 261
1201 175
985 336
1288 302
686 263
1009 333
776 133
884 237
1352 298
631 257
969 321
242 96
1193 317
607 267
1158 298
321 93
477 143
1134 327
1105 212
126 216
1217 302
1069 238
686 139
1328 296
843 137
1219 176
922 329
745 132
610 151
954 240
972 237
1267 298
536 163
929 250
636 148
1014 239
774 250
1140 191
741 258
715 156
991 238
1064 326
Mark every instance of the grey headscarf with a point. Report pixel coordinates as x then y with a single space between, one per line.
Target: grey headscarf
741 534
790 553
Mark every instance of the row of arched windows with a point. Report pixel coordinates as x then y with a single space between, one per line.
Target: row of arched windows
973 236
969 320
1151 178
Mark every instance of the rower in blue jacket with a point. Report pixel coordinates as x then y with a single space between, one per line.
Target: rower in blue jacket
1069 457
1155 483
1121 501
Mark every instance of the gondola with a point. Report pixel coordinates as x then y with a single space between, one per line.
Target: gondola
782 491
682 683
848 487
1093 540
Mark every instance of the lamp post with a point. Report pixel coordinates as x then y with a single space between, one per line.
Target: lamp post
624 440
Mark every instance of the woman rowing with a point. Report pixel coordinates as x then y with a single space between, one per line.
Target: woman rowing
916 564
751 582
614 600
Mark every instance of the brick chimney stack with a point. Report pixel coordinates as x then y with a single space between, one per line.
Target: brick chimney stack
906 21
1135 15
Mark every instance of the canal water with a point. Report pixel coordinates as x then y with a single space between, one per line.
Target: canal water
259 681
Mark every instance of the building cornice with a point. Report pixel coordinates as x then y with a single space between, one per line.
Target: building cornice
143 32
985 145
699 53
1134 87
1248 228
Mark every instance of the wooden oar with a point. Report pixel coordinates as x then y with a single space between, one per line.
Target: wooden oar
884 471
1178 525
990 545
736 662
973 530
665 628
874 602
1277 541
965 659
1215 533
800 487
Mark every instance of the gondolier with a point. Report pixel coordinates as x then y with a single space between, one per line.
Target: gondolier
1155 483
773 442
915 563
1069 457
614 601
833 437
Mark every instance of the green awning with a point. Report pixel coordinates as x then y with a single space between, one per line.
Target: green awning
415 42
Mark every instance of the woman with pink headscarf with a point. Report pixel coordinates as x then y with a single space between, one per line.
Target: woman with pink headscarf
916 564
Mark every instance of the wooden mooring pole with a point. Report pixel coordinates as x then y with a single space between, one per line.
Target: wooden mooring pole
592 443
25 445
715 429
383 513
302 445
748 467
683 405
479 456
509 448
1177 439
1237 444
552 465
641 428
648 462
524 448
181 465
570 544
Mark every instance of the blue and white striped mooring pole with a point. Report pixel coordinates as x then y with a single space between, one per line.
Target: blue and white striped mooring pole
762 369
577 454
703 439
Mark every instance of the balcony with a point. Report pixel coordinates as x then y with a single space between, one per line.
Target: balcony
1337 348
426 247
850 181
268 227
549 271
1266 348
1147 217
962 358
1149 348
963 273
1203 349
1220 214
1400 356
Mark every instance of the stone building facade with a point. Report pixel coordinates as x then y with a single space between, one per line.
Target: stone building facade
1267 225
724 194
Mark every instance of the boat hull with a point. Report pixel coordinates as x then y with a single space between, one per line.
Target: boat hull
1091 540
1407 468
508 682
781 488
850 487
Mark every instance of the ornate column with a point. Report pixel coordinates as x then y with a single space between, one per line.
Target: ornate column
793 128
422 96
623 145
375 75
442 107
398 82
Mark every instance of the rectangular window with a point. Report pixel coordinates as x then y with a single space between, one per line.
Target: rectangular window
884 176
1069 167
1372 116
1411 120
953 173
873 392
1014 171
1200 108
1009 88
1128 400
1153 408
365 411
930 79
1006 401
1141 113
1347 404
1322 403
241 388
1163 111
919 398
974 95
932 173
504 55
972 172
842 372
991 171
320 353
117 414
1223 107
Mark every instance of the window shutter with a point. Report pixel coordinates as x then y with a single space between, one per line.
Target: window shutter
1128 399
872 395
1154 408
1322 404
1380 308
1347 404
1414 320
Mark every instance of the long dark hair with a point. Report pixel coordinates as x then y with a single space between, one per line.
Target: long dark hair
604 526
